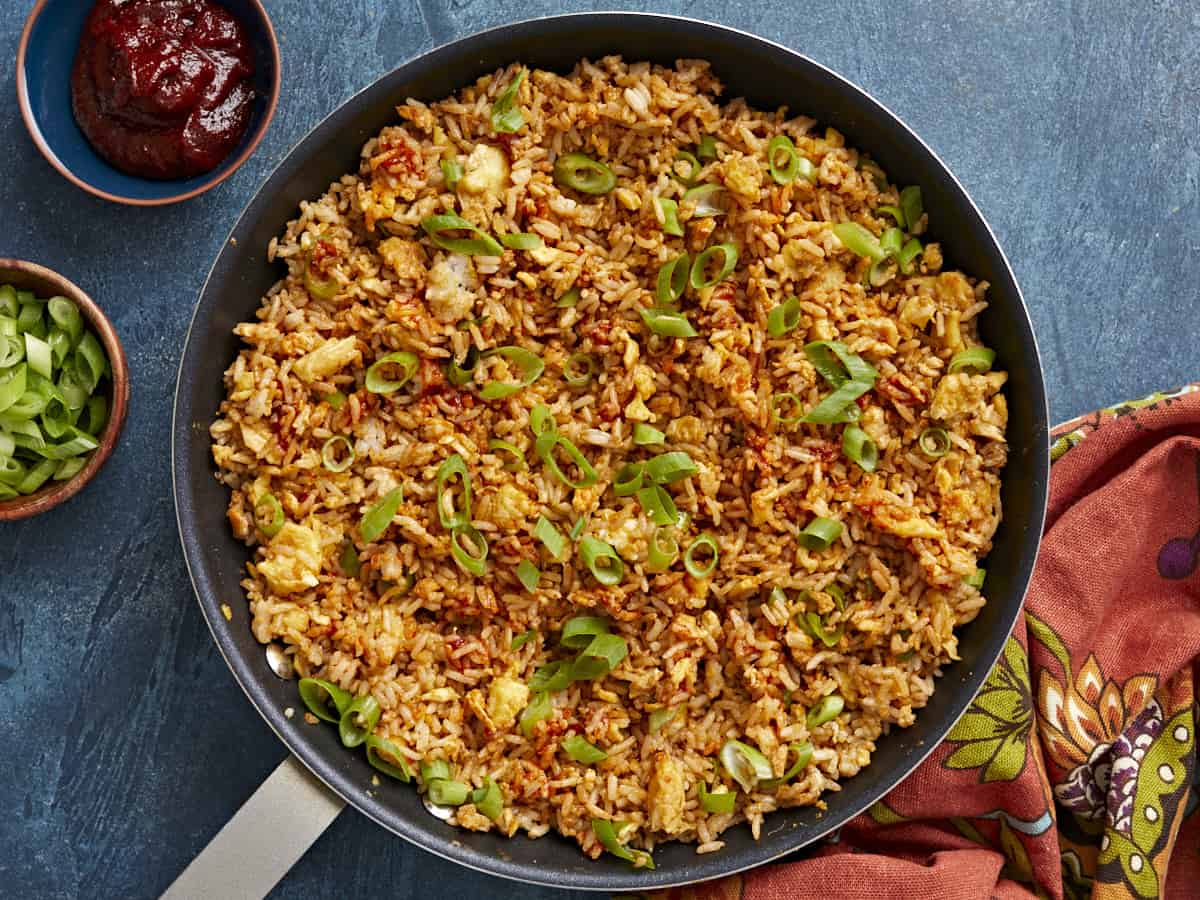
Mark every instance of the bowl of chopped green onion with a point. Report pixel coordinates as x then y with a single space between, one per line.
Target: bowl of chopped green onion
64 389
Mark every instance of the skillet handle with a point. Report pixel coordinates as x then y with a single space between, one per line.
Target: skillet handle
263 840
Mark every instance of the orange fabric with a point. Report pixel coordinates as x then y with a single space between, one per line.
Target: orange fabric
1074 772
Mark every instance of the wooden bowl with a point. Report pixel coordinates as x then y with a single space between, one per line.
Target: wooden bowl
45 284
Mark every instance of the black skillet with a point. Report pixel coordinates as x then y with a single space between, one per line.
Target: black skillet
768 75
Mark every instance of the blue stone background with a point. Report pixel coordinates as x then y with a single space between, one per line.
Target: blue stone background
126 743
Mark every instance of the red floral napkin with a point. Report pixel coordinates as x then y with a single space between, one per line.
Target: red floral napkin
1073 773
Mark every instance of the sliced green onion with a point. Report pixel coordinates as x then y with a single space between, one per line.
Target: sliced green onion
577 528
578 632
700 199
644 435
529 364
384 756
545 445
522 639
452 173
268 515
599 657
860 448
908 253
581 172
541 707
910 202
934 442
541 420
668 216
891 241
10 306
667 323
976 360
404 362
667 468
321 288
377 519
880 272
672 280
36 476
444 792
804 753
825 711
806 170
359 720
12 350
976 579
570 298
498 446
69 468
550 537
782 159
729 258
693 165
859 241
469 549
506 115
329 454
488 799
661 717
896 213
745 764
784 317
583 751
628 479
12 385
820 533
602 560
336 400
324 699
462 373
707 148
349 561
483 244
29 319
551 677
718 803
607 833
522 241
38 355
815 626
450 513
782 402
435 770
663 550
706 542
580 368
528 574
658 506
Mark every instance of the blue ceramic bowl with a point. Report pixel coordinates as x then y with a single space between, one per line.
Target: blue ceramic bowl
44 59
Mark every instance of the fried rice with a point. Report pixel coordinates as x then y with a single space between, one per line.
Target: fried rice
731 657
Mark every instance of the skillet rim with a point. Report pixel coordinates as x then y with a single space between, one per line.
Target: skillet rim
963 689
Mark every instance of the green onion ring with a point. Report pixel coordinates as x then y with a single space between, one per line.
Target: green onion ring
268 515
329 454
471 559
507 117
745 764
580 368
934 442
582 750
529 575
452 514
908 253
976 579
891 241
645 435
815 625
378 383
377 519
435 770
579 631
324 699
839 406
544 446
523 638
529 364
729 256
662 551
658 505
910 202
552 677
582 173
804 753
694 167
668 216
807 171
716 803
445 792
786 172
895 212
541 420
628 479
707 148
452 173
577 528
860 448
65 314
601 560
784 317
481 245
488 799
498 446
820 533
696 569
522 241
667 468
668 323
600 657
828 709
607 833
976 361
779 402
859 241
700 200
661 717
551 538
672 280
459 374
384 756
359 720
541 707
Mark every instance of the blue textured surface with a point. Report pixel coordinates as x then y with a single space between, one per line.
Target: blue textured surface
126 740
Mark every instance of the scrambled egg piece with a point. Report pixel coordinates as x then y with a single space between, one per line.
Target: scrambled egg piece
485 171
960 395
405 258
667 794
506 698
508 506
743 176
293 559
451 289
327 359
893 515
256 437
686 430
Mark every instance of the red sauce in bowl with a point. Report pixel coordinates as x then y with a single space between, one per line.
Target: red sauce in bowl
161 88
